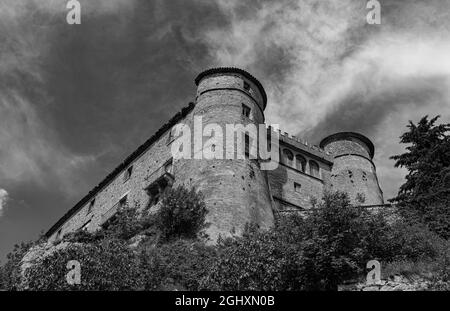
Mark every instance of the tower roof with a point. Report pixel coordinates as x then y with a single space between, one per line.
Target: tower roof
234 70
344 135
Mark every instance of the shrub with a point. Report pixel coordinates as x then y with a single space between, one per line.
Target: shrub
10 273
182 213
330 246
105 265
415 242
319 252
180 264
336 243
257 261
126 223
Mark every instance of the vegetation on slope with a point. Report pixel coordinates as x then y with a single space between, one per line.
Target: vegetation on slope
165 251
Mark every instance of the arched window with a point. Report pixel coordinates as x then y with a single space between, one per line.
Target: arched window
314 169
300 163
288 156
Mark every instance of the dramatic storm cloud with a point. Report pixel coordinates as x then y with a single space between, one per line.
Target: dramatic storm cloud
76 100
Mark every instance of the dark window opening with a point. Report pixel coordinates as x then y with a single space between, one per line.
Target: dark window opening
157 189
91 206
297 187
246 86
123 202
288 156
246 110
168 167
247 145
85 227
171 137
300 163
58 234
314 169
128 173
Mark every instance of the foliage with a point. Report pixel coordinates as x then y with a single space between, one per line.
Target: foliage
179 264
105 265
257 261
109 263
10 273
299 254
317 252
414 242
127 223
182 213
425 196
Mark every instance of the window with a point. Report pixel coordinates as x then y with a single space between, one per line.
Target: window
111 213
123 201
171 137
156 189
58 234
246 86
128 173
85 227
247 145
314 169
300 163
288 156
297 187
168 167
91 205
246 110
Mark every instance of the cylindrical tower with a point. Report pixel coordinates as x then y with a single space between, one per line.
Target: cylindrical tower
236 190
353 170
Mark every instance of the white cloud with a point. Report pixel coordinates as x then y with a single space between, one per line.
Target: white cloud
3 200
332 55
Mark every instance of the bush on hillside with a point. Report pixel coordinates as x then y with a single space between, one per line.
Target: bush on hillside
179 264
105 265
182 213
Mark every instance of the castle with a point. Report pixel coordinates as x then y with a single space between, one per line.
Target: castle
237 191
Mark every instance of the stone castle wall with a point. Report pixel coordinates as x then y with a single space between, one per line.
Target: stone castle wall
236 191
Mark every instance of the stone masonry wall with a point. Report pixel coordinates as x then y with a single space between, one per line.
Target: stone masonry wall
356 175
146 169
237 192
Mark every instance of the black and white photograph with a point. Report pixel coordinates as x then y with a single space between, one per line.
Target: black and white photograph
204 147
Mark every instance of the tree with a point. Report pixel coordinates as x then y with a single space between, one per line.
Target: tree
105 265
318 252
182 213
10 272
425 196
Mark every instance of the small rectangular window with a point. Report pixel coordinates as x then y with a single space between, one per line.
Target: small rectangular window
123 202
247 145
246 86
91 206
168 167
85 227
246 110
297 187
58 234
128 173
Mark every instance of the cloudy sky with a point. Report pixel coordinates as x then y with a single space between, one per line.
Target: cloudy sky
76 100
